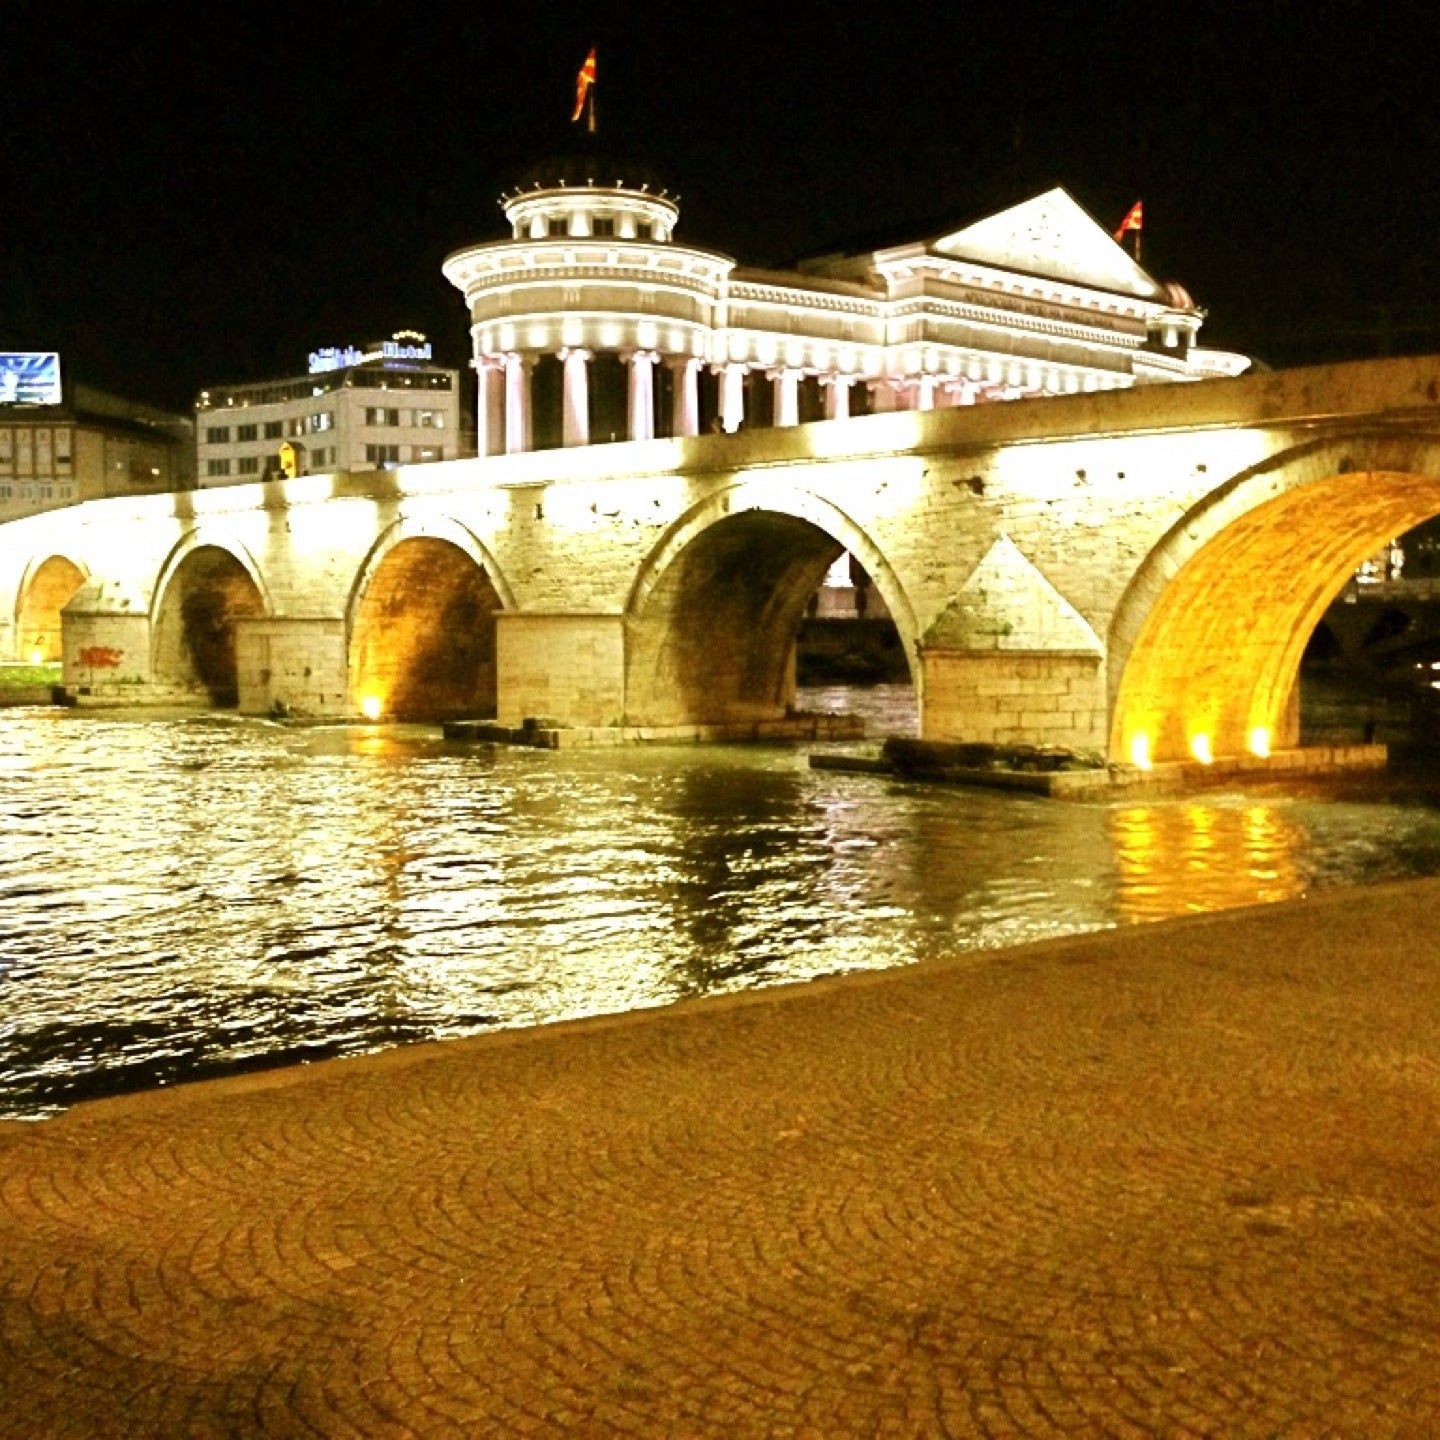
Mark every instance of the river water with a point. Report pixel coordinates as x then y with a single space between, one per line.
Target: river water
191 894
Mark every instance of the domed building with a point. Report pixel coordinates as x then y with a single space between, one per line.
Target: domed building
591 322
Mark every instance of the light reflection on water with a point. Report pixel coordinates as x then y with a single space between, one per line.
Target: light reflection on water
188 895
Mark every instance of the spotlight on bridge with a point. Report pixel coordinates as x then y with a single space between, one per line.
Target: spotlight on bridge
370 707
1260 742
1140 752
37 656
1200 749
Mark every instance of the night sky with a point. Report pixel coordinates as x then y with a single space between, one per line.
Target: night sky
197 195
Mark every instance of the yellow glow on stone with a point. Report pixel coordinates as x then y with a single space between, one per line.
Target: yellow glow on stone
370 707
1260 741
1140 752
1200 749
37 656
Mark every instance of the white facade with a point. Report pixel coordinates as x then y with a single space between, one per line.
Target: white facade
1035 300
378 412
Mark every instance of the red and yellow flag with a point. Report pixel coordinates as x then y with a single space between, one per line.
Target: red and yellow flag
1134 217
583 81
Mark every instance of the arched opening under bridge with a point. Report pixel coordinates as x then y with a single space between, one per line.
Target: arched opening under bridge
422 641
1213 667
194 644
712 629
37 622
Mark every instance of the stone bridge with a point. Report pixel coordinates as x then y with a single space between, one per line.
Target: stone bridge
1133 571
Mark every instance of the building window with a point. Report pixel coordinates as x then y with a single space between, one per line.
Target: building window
558 225
425 453
273 429
217 467
604 225
644 230
321 420
382 417
430 419
217 435
297 425
382 454
247 432
248 465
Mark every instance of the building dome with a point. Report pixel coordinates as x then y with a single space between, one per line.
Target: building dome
592 194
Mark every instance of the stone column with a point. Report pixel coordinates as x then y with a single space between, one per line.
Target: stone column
732 396
837 396
517 403
925 392
576 419
642 394
686 410
787 396
489 406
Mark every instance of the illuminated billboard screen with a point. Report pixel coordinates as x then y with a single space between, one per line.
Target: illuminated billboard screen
29 377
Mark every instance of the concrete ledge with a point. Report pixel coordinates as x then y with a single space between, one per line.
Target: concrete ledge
14 695
1115 781
549 736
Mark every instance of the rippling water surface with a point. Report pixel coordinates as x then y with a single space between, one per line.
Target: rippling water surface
187 895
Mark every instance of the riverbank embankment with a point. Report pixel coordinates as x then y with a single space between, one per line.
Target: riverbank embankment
1180 1178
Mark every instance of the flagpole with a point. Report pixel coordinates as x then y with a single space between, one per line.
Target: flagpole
591 125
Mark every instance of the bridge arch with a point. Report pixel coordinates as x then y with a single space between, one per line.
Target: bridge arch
45 588
1205 646
712 615
208 582
420 623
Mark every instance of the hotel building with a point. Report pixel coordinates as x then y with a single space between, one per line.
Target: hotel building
353 410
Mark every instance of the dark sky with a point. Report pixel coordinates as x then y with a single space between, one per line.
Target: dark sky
198 194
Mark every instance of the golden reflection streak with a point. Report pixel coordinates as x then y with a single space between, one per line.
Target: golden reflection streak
1196 857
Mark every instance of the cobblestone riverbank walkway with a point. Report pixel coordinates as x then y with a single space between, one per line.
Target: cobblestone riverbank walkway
1183 1179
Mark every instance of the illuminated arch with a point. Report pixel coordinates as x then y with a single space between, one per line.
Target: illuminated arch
713 612
419 623
1204 649
45 589
207 582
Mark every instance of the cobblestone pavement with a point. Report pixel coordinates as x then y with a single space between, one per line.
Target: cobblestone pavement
1178 1180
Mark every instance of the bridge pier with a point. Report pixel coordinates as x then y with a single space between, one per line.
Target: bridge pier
560 664
105 642
291 666
1012 697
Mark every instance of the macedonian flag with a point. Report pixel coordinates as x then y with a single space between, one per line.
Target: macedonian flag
1134 217
583 81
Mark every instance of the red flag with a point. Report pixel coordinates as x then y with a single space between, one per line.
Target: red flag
583 81
1134 219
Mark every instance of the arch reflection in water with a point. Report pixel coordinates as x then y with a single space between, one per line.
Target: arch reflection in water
1209 854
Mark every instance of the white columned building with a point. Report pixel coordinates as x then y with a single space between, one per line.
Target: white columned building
590 322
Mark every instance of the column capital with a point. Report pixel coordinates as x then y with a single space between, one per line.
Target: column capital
574 352
650 357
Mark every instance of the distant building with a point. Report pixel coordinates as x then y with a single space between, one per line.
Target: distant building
590 323
354 410
60 445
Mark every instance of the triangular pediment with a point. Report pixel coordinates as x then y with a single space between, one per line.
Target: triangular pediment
1007 604
1051 235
